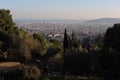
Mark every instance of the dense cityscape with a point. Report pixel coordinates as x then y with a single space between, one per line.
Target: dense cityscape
55 28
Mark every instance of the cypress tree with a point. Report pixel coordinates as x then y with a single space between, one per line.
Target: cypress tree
65 42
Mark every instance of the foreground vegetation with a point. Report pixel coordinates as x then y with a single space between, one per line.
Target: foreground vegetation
43 59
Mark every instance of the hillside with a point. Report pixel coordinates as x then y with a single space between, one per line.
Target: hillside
105 20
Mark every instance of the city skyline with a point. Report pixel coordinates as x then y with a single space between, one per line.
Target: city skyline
62 9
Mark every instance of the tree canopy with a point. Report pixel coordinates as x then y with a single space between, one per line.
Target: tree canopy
112 38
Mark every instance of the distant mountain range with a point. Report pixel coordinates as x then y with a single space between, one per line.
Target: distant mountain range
96 21
104 20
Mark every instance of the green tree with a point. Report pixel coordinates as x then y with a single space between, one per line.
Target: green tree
65 42
52 51
17 42
110 54
55 41
41 47
99 40
73 41
4 39
112 38
21 45
6 28
6 22
81 63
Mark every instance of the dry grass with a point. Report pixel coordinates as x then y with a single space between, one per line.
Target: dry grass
9 64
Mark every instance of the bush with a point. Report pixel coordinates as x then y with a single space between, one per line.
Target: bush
24 72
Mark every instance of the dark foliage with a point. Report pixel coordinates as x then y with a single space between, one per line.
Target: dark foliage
65 42
47 61
112 38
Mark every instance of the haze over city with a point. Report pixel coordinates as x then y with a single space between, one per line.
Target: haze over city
62 9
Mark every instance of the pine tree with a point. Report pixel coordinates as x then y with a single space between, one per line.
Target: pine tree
65 42
6 29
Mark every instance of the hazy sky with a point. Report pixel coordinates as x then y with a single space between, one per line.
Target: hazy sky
62 9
